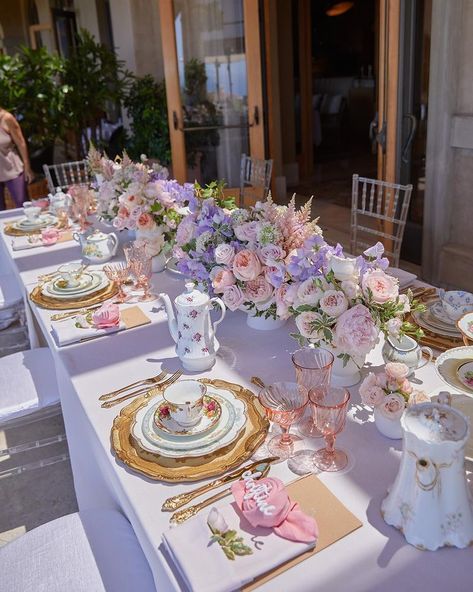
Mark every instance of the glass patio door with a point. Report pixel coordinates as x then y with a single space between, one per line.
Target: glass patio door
211 53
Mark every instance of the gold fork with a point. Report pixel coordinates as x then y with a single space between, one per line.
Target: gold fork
165 384
141 382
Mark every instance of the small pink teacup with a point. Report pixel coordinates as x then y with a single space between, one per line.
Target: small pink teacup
49 236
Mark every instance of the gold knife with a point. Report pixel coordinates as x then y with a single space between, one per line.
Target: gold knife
182 515
177 501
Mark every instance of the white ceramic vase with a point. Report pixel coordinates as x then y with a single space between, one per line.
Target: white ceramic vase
263 324
430 501
391 428
348 374
159 262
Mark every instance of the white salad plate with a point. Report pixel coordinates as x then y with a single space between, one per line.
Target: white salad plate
42 221
100 282
226 431
449 366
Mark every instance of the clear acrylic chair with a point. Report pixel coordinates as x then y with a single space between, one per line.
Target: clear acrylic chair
255 178
11 301
66 174
29 394
378 213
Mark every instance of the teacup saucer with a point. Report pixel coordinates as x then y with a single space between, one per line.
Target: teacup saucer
465 324
437 310
210 415
465 374
84 282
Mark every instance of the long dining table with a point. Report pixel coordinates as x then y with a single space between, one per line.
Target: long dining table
374 557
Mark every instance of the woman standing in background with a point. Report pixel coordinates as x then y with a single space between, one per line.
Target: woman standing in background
14 171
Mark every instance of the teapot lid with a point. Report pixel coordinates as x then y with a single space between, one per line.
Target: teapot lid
192 296
435 423
97 235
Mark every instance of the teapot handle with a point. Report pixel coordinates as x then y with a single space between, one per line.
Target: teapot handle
112 237
224 310
76 236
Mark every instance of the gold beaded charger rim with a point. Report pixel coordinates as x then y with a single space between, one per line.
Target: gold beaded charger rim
44 301
10 230
172 470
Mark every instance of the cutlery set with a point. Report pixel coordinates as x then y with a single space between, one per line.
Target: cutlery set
111 399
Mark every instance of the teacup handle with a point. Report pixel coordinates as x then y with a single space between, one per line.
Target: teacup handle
429 352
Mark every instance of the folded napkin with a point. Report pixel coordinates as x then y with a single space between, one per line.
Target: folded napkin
204 565
21 243
405 277
76 328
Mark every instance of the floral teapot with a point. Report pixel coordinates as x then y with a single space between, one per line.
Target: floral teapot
192 329
59 200
97 246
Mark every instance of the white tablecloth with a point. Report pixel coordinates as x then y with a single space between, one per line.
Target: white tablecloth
375 557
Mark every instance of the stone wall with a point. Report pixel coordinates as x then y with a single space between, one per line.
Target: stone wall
448 220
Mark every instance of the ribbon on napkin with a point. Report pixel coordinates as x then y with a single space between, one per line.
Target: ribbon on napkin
265 502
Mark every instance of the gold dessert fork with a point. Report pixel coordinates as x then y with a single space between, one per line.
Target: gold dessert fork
141 382
164 384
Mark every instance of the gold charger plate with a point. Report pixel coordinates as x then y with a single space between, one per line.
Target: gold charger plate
10 230
44 301
184 469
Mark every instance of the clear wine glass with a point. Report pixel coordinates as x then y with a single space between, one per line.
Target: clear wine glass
284 404
313 371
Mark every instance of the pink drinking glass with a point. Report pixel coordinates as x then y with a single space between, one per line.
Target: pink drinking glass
284 404
313 371
329 417
118 273
142 269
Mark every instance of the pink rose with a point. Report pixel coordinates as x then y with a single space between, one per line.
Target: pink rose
396 370
305 323
372 396
270 254
381 286
248 231
382 380
222 280
246 265
224 254
308 293
233 297
146 222
284 298
333 303
393 406
351 289
406 387
108 315
123 212
417 397
258 290
49 236
355 332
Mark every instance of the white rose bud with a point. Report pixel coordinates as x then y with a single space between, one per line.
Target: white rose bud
216 521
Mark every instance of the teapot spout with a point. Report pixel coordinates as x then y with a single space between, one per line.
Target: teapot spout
172 323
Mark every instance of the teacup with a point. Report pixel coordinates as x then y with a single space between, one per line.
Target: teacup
32 213
71 274
185 400
456 303
407 351
49 236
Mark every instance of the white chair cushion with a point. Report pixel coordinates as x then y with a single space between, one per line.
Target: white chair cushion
27 383
90 551
10 292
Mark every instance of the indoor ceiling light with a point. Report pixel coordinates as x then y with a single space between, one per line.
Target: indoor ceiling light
339 8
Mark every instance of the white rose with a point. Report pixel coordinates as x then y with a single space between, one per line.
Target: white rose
304 323
344 268
351 289
393 327
404 300
333 303
224 254
216 522
308 293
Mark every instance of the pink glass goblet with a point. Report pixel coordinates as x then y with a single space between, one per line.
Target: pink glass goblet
313 371
118 273
284 404
330 416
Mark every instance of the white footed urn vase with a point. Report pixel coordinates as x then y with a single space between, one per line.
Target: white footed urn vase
430 501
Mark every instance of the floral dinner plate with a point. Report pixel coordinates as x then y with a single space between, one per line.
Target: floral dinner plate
465 374
211 413
449 364
465 324
99 283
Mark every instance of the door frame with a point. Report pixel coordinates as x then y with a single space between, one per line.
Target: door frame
256 119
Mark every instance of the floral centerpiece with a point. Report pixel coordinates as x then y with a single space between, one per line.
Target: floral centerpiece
137 197
343 303
389 393
243 255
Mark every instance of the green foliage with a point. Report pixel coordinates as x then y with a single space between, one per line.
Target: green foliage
95 79
31 88
214 190
232 545
147 107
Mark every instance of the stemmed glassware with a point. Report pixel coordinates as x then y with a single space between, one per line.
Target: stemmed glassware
118 273
141 268
80 205
313 371
284 404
